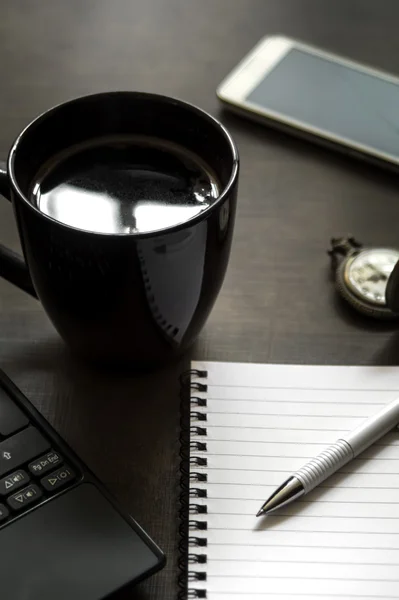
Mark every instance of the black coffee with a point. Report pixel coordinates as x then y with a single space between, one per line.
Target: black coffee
124 184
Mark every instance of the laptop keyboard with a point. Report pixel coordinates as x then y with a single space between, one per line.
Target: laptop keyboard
31 470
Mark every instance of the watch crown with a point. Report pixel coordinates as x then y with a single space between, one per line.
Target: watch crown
341 247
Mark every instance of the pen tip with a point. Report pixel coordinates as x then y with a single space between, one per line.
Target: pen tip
260 512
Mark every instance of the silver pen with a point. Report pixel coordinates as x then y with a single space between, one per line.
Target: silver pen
333 458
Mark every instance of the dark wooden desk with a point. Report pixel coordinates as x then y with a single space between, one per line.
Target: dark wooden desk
277 303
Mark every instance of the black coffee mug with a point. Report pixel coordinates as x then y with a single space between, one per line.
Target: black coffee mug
137 298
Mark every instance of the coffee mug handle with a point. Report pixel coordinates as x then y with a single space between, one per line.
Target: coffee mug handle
12 266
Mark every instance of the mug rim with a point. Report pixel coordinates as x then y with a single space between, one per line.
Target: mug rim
202 216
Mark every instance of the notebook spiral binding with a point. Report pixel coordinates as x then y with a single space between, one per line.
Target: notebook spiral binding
189 508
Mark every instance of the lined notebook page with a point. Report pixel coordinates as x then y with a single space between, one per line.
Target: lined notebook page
263 423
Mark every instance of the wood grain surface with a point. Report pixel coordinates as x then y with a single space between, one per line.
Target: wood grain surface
277 303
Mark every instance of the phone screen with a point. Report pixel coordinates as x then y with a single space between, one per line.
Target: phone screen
334 98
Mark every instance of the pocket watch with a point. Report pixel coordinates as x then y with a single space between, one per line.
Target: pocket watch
362 274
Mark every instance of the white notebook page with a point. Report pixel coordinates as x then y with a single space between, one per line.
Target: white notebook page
263 423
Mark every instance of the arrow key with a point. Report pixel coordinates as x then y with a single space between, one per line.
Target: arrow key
24 498
58 479
13 482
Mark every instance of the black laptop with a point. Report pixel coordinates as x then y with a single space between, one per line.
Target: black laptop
62 535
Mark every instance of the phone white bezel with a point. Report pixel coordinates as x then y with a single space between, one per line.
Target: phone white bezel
260 61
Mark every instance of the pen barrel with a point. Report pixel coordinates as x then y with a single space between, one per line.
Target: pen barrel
325 464
373 428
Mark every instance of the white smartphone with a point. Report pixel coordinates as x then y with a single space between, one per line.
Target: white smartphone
321 96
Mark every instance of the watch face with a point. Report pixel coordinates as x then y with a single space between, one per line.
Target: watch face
367 273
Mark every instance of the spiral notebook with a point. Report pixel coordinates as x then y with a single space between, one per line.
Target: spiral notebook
248 427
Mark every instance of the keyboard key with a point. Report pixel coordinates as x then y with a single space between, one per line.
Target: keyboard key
13 482
58 479
12 419
3 513
25 497
21 448
45 463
